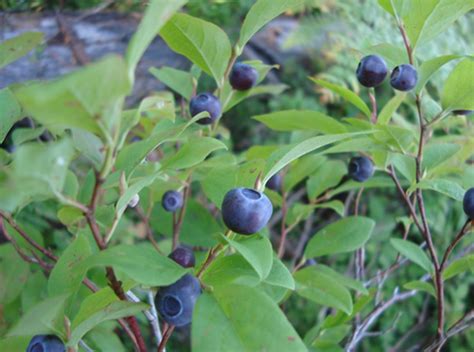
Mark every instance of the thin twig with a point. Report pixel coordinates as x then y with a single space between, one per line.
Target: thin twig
283 229
149 232
27 238
115 284
166 335
465 322
307 228
367 322
407 200
211 255
419 195
178 221
48 267
150 314
457 239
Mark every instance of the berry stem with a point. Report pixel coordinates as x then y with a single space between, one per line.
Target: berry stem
211 255
373 101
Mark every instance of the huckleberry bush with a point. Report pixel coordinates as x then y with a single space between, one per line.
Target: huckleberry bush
128 225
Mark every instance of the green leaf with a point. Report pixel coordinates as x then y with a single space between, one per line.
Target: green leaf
257 250
280 275
205 44
133 154
115 310
435 154
413 252
459 266
81 99
394 55
284 156
23 135
89 145
68 273
199 228
420 286
179 81
262 12
299 212
38 171
69 215
11 281
221 322
302 168
218 181
156 15
425 19
345 93
293 120
34 291
14 48
458 92
44 317
140 262
327 176
387 6
406 165
193 152
103 338
390 108
328 339
230 269
428 68
14 343
374 182
10 112
323 289
237 96
443 186
131 191
345 235
342 279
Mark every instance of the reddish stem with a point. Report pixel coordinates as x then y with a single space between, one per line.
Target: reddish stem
166 336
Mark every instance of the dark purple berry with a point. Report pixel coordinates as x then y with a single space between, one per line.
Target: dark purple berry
206 102
243 76
246 211
172 201
274 183
361 168
463 112
184 256
404 77
468 203
46 343
175 303
371 71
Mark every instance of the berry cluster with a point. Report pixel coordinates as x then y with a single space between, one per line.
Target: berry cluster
372 71
242 77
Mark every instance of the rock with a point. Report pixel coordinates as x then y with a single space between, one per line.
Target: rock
75 35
